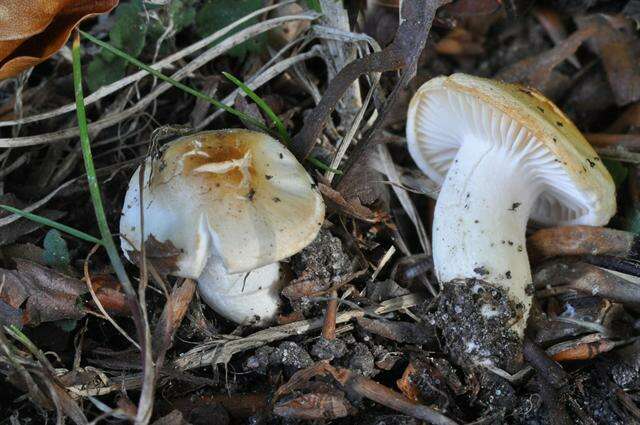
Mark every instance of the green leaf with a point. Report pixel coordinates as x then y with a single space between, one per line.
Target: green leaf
180 14
67 325
183 13
130 29
633 221
56 253
128 33
217 14
102 71
617 170
314 5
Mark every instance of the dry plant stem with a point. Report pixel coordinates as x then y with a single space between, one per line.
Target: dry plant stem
374 391
628 402
96 300
580 240
222 351
605 140
34 391
591 280
130 79
619 153
198 62
550 21
335 16
329 325
410 39
393 175
630 267
145 403
4 221
544 364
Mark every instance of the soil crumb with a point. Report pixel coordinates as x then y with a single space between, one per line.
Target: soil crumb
474 318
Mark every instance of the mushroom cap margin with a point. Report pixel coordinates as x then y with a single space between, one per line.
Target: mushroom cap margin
544 120
198 197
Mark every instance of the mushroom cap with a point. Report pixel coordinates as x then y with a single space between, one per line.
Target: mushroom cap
448 111
237 194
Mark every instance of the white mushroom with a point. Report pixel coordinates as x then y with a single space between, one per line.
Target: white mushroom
235 202
503 154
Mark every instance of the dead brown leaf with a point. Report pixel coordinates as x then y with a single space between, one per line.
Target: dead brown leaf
406 384
461 42
464 8
41 293
536 71
33 30
315 407
351 207
619 49
172 315
163 255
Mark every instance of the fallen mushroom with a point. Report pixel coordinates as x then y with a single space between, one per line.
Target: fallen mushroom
235 202
503 154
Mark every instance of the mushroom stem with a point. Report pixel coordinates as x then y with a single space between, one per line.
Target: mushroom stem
241 297
480 221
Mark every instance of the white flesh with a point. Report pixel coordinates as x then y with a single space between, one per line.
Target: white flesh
241 297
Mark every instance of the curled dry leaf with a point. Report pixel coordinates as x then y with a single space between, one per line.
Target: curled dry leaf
314 406
351 207
163 255
618 48
465 8
42 294
33 30
537 70
406 384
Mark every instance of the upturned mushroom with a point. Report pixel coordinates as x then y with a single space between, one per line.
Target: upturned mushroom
235 203
502 154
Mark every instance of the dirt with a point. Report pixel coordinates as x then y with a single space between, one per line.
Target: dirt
470 336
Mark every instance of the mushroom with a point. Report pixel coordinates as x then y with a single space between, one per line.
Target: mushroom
502 154
235 203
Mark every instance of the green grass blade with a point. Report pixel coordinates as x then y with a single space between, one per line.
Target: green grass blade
321 165
314 5
94 189
282 131
53 224
275 120
173 82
